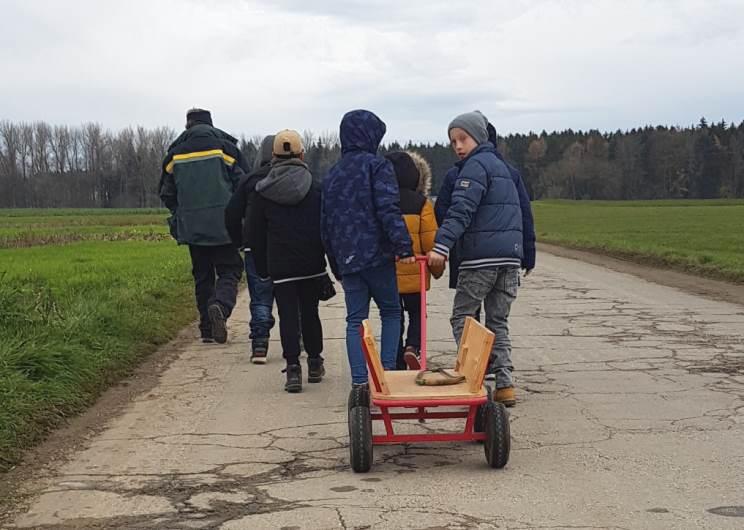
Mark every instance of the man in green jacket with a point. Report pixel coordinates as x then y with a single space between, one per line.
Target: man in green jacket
200 172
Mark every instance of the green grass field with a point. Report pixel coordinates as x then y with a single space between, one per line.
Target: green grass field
701 237
76 316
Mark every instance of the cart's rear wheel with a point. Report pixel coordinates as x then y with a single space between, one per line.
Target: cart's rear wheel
480 418
360 438
498 436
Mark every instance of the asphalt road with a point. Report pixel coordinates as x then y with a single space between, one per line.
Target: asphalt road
630 415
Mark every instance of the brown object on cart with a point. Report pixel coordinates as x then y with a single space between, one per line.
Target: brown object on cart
439 377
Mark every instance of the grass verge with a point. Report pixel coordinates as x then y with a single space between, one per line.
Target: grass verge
700 237
73 319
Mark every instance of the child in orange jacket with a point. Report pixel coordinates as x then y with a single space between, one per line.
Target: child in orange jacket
414 181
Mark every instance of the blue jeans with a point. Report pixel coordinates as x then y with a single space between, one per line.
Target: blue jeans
381 285
262 300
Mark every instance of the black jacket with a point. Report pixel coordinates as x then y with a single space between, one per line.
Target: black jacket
238 210
284 230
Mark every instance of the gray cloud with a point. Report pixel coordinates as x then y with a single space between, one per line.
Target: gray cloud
262 66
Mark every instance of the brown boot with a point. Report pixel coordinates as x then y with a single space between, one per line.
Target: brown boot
505 395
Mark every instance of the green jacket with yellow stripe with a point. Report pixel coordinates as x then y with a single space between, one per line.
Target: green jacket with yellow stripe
200 173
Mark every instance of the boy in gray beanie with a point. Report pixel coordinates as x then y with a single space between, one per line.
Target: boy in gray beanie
474 123
484 220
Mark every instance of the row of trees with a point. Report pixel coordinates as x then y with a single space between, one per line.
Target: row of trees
88 166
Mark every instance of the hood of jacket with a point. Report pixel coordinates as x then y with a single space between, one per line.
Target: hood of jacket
287 183
265 152
361 130
424 171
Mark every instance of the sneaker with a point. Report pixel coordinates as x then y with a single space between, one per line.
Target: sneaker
207 339
219 327
315 370
411 357
294 378
506 396
259 350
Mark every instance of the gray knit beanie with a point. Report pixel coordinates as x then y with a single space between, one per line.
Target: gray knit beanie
474 123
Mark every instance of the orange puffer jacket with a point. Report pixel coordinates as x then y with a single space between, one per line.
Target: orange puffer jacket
414 177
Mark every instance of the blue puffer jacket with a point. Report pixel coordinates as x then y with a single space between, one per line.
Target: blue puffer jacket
484 219
361 223
444 199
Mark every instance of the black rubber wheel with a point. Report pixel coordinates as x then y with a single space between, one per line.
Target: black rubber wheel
480 418
498 436
359 396
360 439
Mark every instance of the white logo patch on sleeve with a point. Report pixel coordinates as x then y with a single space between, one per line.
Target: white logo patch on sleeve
464 183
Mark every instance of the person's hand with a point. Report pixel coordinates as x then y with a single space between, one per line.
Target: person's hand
408 260
435 259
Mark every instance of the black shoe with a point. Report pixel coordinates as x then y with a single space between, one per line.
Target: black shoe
315 370
219 324
259 350
205 333
294 378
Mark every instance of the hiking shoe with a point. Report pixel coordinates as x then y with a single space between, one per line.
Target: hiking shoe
411 357
506 396
315 370
218 321
294 378
259 350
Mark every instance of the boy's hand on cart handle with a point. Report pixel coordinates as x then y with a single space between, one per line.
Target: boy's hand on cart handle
436 259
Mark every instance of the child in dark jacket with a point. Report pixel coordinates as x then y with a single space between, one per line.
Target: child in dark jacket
237 221
285 237
414 180
364 232
484 221
444 199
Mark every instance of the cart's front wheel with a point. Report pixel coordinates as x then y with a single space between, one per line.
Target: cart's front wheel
498 436
360 438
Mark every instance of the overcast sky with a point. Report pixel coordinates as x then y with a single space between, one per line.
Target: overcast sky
264 66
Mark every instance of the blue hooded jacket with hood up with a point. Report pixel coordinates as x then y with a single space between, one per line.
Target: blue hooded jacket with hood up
361 222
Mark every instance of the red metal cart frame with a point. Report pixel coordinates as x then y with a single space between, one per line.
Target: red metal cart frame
469 413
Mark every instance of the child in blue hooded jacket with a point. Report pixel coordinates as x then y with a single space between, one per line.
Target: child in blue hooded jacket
363 231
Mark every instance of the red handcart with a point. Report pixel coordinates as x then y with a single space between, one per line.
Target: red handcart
399 397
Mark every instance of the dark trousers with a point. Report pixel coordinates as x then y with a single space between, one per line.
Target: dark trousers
217 271
292 300
411 305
